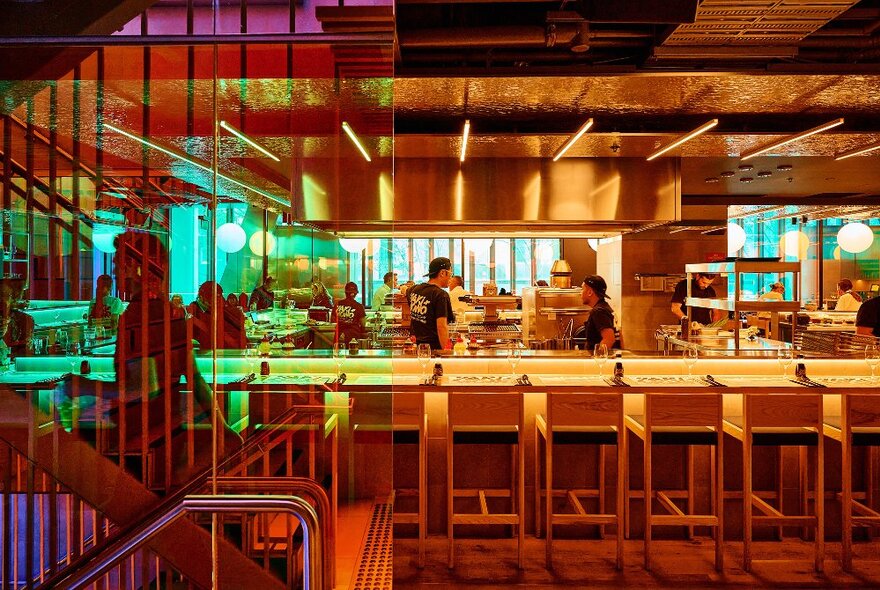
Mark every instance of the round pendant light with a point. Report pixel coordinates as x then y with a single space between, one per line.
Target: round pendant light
256 243
794 243
231 238
736 238
353 245
593 243
855 237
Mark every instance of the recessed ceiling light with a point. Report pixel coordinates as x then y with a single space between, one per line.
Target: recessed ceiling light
712 179
726 174
784 167
745 167
765 174
746 179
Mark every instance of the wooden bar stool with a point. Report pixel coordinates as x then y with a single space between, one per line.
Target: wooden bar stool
781 419
410 427
486 418
857 426
581 419
682 419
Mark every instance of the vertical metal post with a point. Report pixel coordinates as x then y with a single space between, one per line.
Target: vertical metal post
820 228
29 194
99 140
54 267
76 170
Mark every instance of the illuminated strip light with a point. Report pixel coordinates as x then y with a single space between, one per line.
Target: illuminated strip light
671 146
354 139
792 139
465 134
858 151
584 128
248 140
199 165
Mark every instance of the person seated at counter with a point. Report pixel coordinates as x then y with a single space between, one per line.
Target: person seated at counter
457 290
349 316
846 299
599 327
320 296
701 286
16 326
104 309
776 293
178 309
868 318
430 307
263 297
389 284
541 283
230 322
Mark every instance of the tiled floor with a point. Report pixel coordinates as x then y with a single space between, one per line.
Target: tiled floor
491 563
352 527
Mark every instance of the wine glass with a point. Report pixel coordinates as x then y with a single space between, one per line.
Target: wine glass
872 357
250 355
689 356
785 357
423 352
600 355
71 352
514 355
339 359
62 340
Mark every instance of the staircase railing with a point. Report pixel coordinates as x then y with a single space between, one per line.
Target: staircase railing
313 534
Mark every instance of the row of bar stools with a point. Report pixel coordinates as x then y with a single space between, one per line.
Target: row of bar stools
682 419
781 419
857 426
410 427
494 419
586 419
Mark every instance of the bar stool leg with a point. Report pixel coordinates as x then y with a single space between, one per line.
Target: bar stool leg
537 482
521 497
450 500
718 486
747 497
648 500
601 484
804 473
513 494
622 505
548 499
780 486
846 492
820 504
423 490
690 487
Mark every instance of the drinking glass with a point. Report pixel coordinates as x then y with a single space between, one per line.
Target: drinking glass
250 356
62 340
689 356
600 355
423 352
72 352
338 358
514 355
785 357
872 357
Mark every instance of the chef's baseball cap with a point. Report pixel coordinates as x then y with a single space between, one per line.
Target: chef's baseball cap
597 284
438 264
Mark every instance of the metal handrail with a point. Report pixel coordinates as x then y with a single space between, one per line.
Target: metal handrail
295 485
313 535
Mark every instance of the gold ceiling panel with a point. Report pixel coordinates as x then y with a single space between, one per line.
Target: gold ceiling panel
757 22
535 98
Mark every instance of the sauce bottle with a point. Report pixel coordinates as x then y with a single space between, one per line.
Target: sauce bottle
265 346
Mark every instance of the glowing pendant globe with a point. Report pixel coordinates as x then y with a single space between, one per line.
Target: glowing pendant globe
231 237
855 237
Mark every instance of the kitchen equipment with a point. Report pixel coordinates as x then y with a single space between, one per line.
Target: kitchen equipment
560 274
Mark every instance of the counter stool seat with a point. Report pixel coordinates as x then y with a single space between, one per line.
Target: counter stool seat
781 420
579 419
688 420
486 419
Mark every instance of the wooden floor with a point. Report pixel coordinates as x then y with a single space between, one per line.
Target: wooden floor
491 563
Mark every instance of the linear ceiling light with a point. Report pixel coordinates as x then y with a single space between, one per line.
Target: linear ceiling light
571 141
671 146
464 138
792 139
354 139
858 151
197 164
248 140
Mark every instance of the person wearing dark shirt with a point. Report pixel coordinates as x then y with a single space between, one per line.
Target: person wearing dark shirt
262 297
230 321
868 318
349 316
701 286
599 327
320 296
430 307
17 327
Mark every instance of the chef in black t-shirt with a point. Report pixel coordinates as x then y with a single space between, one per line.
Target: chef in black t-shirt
429 306
599 327
349 315
868 318
701 286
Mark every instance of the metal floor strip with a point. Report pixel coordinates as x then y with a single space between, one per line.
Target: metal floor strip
374 569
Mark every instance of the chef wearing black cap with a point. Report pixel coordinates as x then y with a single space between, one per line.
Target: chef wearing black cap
430 307
599 327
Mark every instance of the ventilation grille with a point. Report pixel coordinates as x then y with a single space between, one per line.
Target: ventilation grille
757 22
374 570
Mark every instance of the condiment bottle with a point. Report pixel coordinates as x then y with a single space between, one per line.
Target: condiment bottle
265 346
353 346
459 348
685 328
